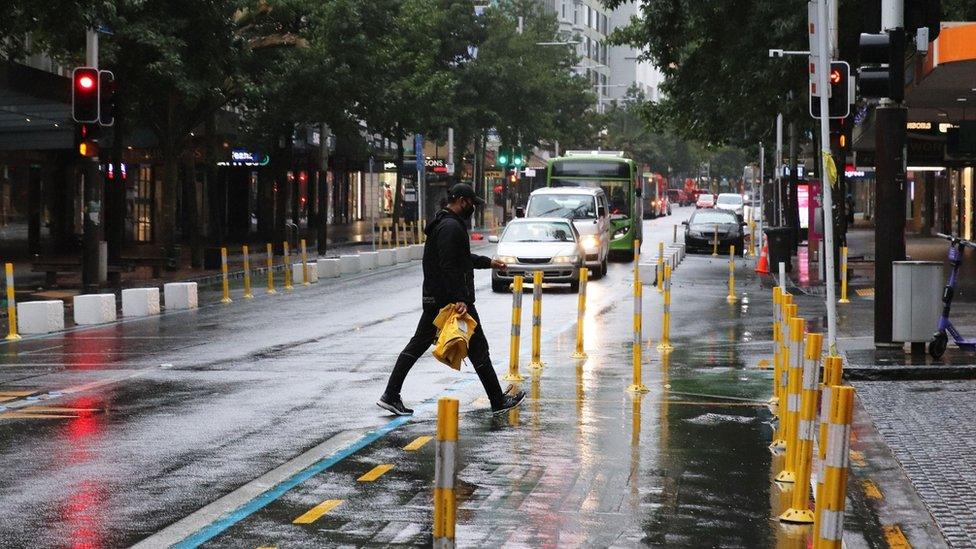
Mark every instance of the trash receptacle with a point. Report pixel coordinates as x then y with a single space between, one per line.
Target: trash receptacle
916 300
779 240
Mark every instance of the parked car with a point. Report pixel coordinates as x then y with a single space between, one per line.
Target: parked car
732 202
705 226
588 209
705 200
677 196
538 244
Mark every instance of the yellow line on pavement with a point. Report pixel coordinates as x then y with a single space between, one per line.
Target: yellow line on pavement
268 547
24 415
42 409
375 472
895 537
417 443
316 512
871 489
864 292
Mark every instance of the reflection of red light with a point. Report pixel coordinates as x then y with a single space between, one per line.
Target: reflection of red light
303 200
302 176
82 514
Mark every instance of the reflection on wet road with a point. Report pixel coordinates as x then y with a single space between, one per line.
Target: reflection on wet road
137 426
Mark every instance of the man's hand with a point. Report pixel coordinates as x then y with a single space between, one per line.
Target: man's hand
500 265
460 308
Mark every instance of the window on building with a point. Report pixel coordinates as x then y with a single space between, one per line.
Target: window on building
563 9
142 204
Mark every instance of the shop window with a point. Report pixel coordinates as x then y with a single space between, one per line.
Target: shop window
141 204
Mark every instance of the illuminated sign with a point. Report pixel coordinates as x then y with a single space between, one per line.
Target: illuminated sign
242 157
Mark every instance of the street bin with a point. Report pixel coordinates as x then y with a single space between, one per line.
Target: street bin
779 240
916 300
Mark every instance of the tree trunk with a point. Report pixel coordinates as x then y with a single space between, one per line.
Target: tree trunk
322 192
167 225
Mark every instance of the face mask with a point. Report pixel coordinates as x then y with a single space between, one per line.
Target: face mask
468 210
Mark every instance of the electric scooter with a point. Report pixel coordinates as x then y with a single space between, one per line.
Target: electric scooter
938 345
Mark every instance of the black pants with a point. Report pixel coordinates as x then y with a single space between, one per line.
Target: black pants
426 335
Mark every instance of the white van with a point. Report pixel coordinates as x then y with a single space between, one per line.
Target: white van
588 209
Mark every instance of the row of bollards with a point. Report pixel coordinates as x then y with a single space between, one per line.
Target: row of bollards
286 258
815 442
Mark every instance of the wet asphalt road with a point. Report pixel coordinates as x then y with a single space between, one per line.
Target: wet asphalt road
151 420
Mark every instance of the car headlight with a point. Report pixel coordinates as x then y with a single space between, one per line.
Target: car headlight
565 259
620 233
506 259
590 242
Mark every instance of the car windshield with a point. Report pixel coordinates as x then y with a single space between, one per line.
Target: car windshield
730 199
617 190
706 198
712 217
573 206
538 231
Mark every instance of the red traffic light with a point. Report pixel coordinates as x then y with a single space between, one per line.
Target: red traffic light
835 76
86 82
84 94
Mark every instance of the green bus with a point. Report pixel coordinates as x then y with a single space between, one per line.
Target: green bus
618 177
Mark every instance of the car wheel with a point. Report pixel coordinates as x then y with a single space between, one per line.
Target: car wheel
499 286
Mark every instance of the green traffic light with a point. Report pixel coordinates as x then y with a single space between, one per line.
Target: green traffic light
518 161
502 159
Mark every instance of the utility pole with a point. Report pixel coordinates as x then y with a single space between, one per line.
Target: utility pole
824 87
778 166
889 226
762 184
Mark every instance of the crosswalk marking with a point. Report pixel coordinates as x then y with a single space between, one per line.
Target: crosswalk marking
375 472
316 512
417 443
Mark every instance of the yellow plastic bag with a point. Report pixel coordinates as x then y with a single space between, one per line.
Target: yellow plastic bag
454 332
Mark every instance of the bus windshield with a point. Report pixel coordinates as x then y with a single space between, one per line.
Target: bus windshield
618 192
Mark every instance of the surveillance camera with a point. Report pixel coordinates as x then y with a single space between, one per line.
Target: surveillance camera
775 53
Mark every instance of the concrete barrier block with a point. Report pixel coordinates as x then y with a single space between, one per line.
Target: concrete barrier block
328 267
417 251
403 254
180 295
368 260
386 258
350 264
40 317
648 272
94 308
140 302
298 277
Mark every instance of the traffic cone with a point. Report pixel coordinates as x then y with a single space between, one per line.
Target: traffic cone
762 266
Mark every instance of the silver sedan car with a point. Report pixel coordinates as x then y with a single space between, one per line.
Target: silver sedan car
539 244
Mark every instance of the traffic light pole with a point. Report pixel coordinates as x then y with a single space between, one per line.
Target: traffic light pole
823 86
94 184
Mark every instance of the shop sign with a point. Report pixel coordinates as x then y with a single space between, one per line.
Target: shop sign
493 174
242 157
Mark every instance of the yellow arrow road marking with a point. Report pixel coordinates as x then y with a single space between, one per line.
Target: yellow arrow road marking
857 458
417 443
314 513
375 472
895 537
871 489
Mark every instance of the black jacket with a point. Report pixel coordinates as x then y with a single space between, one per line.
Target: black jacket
448 262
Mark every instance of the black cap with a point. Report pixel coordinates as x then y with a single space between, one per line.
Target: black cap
463 190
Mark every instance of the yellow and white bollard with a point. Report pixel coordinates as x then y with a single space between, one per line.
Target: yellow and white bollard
660 267
843 276
247 274
833 372
777 297
752 238
536 321
799 511
287 260
794 367
584 275
445 472
829 513
223 271
271 288
637 386
786 308
516 338
665 345
11 304
305 281
731 297
715 242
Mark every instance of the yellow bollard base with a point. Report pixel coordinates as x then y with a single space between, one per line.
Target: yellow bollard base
786 477
763 363
12 337
289 288
774 401
536 365
638 388
579 355
513 377
248 296
843 301
778 447
731 299
797 516
269 292
226 300
664 348
306 283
